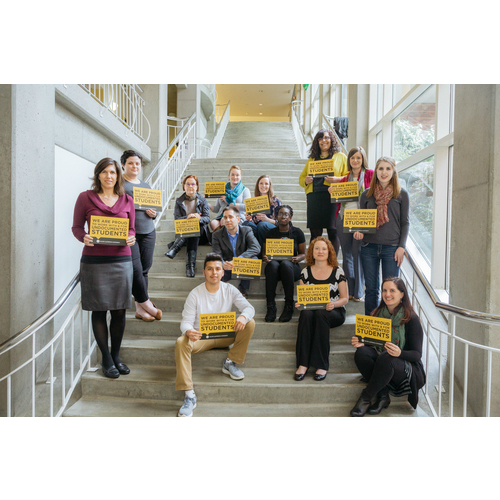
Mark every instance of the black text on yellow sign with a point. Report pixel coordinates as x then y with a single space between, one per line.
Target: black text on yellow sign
362 220
109 230
373 330
214 189
344 191
313 294
279 248
247 267
259 204
217 325
187 227
147 198
321 168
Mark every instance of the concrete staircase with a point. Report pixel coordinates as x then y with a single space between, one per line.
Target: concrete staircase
268 388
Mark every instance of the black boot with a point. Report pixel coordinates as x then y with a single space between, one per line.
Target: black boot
190 263
287 313
174 250
271 311
383 401
361 407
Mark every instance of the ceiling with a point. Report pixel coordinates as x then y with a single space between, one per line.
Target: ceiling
256 100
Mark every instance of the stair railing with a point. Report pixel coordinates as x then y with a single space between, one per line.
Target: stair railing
69 358
443 350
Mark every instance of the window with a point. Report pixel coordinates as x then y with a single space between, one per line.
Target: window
415 128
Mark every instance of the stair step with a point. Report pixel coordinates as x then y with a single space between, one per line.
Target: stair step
126 407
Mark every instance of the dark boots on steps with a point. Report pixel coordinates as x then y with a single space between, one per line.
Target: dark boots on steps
174 249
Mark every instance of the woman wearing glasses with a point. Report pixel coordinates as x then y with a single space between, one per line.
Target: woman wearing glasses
191 204
320 211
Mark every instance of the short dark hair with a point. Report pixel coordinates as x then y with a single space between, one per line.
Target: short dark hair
127 154
211 257
233 208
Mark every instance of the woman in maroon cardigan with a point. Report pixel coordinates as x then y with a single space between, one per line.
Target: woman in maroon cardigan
106 270
357 164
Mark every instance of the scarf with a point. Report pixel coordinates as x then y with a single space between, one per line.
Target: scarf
361 188
232 194
382 199
189 198
398 329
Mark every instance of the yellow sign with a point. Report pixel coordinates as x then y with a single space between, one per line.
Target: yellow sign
362 220
218 325
344 191
276 248
259 204
109 230
376 331
147 198
187 227
214 189
321 168
250 267
313 294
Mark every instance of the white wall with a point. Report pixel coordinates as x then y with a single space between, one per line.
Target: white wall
72 176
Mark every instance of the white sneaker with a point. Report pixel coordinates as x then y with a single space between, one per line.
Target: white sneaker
186 410
229 368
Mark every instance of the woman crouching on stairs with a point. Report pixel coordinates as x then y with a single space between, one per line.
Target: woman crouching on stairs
396 367
191 204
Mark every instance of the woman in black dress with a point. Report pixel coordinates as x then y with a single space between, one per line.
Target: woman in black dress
313 335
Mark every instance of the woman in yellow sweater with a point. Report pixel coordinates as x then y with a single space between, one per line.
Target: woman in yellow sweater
320 211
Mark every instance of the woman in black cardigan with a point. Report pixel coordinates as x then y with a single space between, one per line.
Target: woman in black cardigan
396 367
191 204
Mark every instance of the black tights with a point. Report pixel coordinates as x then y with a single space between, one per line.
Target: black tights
378 369
332 236
116 329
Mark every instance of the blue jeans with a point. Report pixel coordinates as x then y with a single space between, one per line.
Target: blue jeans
259 230
372 256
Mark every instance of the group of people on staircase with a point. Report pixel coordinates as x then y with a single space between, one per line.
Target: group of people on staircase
111 273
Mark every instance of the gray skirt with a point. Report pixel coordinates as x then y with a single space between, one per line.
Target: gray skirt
106 286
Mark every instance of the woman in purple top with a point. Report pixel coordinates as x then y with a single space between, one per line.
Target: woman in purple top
106 270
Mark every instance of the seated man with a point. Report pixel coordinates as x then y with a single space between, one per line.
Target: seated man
211 297
234 240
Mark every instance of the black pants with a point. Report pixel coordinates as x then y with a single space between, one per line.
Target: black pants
142 260
378 369
313 336
284 271
332 236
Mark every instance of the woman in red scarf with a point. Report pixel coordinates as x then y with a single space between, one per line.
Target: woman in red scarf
385 247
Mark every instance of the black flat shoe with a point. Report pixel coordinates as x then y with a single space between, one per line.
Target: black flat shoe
382 402
123 368
111 372
361 407
320 377
299 376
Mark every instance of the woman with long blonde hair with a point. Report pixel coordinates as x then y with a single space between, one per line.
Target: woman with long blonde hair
386 247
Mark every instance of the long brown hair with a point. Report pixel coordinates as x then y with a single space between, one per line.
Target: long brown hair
270 193
362 152
332 256
394 181
405 301
119 190
315 151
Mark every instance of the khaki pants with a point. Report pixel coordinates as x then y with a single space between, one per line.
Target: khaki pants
184 348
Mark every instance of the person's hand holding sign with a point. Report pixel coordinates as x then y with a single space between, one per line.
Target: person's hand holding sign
151 213
228 265
88 240
392 349
356 343
193 335
358 236
240 324
194 216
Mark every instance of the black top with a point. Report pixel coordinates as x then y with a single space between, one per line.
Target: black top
296 234
143 222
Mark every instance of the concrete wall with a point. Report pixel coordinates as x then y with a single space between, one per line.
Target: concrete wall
475 229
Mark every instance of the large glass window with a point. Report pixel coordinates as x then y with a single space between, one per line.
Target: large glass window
414 129
418 180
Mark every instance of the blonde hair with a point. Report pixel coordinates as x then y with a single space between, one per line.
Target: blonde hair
394 180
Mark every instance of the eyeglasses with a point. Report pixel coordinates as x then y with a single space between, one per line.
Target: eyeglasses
190 185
